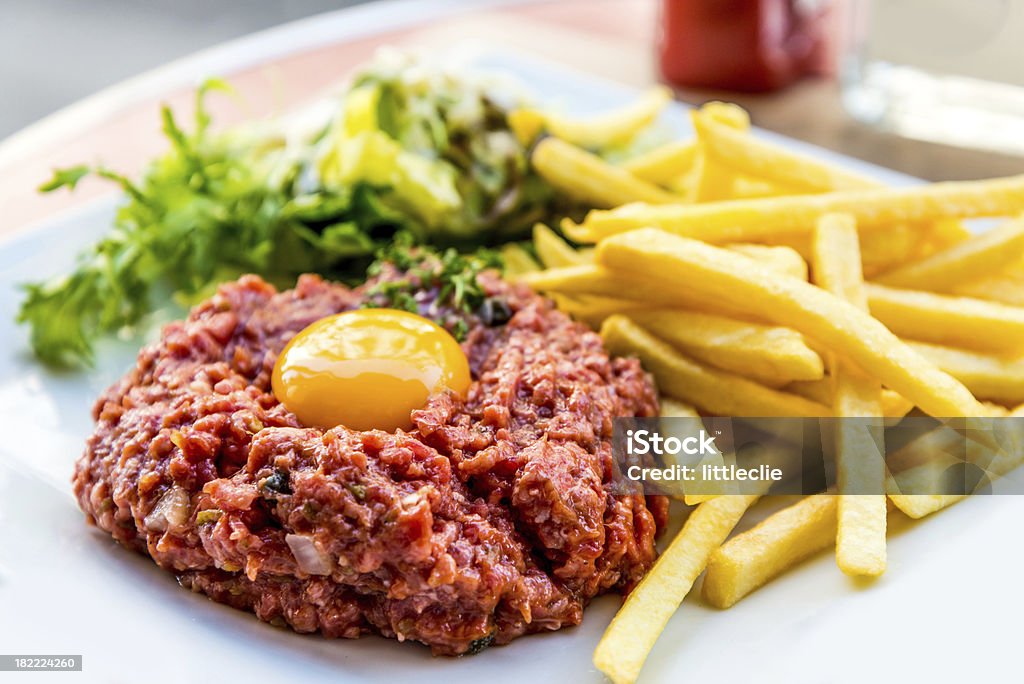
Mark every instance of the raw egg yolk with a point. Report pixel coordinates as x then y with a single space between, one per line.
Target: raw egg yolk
367 369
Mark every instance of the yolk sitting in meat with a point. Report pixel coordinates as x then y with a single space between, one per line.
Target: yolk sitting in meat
367 369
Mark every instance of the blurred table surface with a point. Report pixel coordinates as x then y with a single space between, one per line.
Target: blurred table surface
288 67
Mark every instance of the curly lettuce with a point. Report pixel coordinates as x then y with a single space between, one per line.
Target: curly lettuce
412 149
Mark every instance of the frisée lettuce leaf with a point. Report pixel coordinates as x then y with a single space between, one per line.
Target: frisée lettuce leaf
412 149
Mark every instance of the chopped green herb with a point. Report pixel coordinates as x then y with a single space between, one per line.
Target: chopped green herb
448 278
357 490
310 510
208 516
277 482
479 645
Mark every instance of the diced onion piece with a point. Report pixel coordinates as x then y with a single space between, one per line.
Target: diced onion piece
172 510
310 559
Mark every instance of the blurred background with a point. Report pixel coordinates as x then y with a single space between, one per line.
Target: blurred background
54 52
929 87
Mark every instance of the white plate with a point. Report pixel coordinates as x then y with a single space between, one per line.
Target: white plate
946 610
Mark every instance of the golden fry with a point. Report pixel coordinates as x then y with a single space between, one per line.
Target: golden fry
594 286
891 247
589 178
610 128
526 124
632 633
948 232
591 279
989 376
948 320
860 460
754 220
553 250
593 309
664 164
711 390
751 188
753 558
895 406
822 391
745 154
779 257
929 474
881 250
976 258
672 408
701 270
1005 287
770 355
711 179
518 262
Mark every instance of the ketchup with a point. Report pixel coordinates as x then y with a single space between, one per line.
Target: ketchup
750 45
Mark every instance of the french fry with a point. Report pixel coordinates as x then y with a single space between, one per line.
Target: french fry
553 250
591 280
963 262
589 178
779 257
860 461
664 164
745 154
894 405
822 391
702 270
610 128
997 410
997 449
593 309
891 247
526 125
949 232
726 114
750 188
672 408
711 179
753 220
988 376
1005 287
596 293
518 262
948 320
753 558
920 505
881 250
770 355
711 390
836 259
632 633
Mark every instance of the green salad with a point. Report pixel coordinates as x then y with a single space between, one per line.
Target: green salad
411 149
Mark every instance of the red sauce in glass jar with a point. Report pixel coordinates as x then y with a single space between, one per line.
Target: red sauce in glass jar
750 45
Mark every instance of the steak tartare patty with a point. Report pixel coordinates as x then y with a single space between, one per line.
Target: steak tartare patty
487 520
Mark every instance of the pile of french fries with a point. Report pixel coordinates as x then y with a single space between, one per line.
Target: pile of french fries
753 281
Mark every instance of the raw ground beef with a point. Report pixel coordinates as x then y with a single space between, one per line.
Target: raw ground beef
488 520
